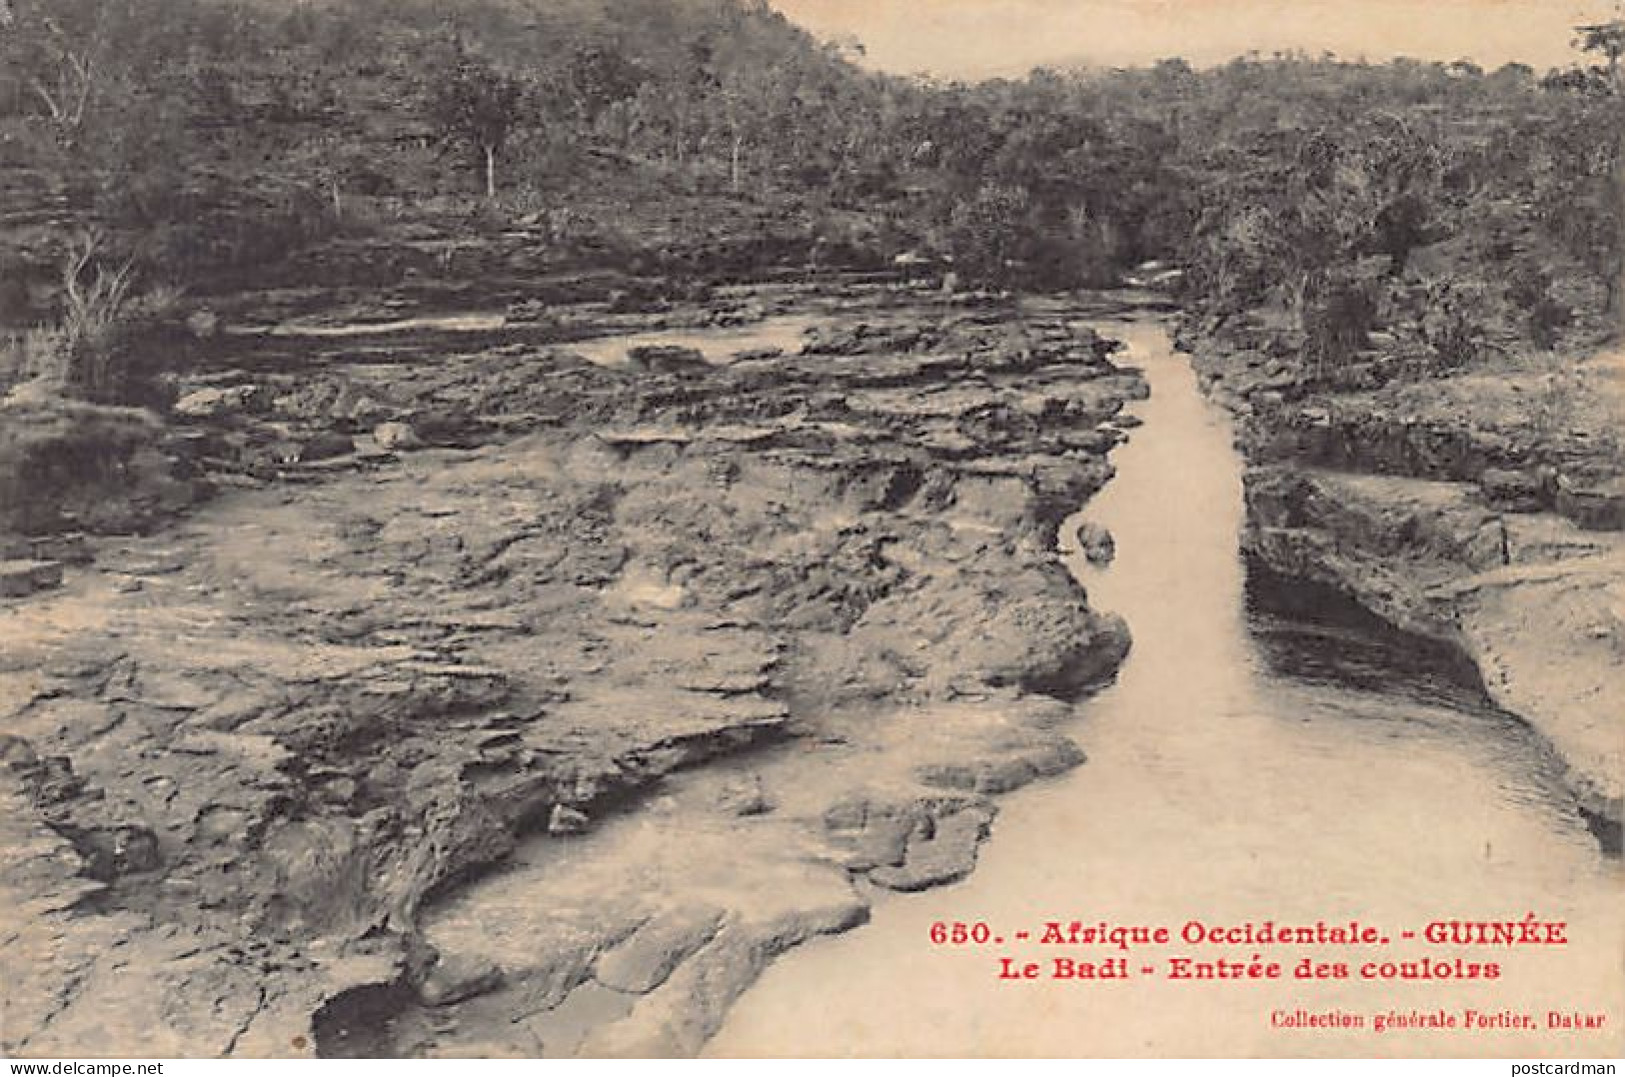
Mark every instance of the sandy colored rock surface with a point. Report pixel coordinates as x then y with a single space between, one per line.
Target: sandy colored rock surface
432 753
1536 602
1478 510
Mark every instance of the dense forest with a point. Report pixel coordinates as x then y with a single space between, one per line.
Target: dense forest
156 152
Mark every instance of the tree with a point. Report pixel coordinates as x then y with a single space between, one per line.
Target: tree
985 232
1609 39
472 102
751 101
600 76
59 56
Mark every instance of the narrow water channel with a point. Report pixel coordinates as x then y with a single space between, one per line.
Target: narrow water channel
1244 767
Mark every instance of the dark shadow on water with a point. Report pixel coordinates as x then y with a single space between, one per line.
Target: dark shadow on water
1311 632
1315 635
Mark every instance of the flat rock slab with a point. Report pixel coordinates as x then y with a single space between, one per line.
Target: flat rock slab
431 660
455 978
644 961
21 578
947 856
70 548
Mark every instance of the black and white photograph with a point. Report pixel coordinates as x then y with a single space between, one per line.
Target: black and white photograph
767 529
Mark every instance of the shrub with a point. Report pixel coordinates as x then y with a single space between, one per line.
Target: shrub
1452 326
98 350
1546 319
983 232
1340 324
40 352
88 361
63 460
1529 290
1552 408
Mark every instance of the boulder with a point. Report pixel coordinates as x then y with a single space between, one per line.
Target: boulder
745 796
21 578
218 403
1096 543
1597 505
113 851
647 958
1515 491
396 436
566 820
456 978
323 446
69 547
947 855
203 324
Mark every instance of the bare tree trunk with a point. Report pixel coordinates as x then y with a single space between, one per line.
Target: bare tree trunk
1299 303
734 152
1617 292
491 172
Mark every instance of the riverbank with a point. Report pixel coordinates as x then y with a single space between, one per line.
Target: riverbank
1248 763
393 747
1481 509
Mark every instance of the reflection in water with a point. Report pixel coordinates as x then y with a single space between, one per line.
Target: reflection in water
1245 766
1311 633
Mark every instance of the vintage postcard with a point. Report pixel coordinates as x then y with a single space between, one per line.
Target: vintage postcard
812 528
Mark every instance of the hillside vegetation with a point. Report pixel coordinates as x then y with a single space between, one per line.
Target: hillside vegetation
161 160
645 439
215 138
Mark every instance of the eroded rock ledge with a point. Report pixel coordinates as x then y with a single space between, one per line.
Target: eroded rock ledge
1453 513
259 767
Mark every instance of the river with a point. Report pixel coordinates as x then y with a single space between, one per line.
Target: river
1244 767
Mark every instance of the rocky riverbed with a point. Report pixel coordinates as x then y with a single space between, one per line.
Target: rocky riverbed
396 746
1485 511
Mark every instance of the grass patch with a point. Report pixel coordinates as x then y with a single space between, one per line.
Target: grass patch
71 464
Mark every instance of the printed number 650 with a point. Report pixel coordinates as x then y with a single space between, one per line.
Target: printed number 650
958 934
